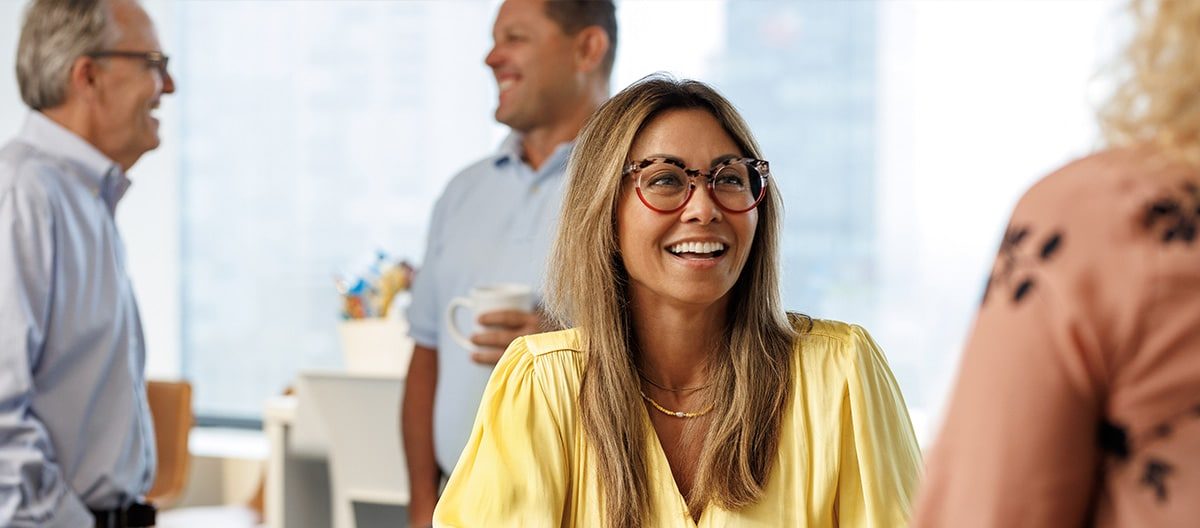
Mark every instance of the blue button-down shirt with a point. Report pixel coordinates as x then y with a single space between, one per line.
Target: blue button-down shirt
75 430
494 223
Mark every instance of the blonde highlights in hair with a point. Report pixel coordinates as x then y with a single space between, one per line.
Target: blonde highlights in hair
751 380
1157 98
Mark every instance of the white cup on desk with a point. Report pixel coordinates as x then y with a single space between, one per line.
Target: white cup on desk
486 299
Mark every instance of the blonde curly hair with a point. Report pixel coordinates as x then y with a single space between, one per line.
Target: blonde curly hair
1156 101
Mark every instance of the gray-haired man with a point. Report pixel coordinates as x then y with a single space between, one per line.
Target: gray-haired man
76 442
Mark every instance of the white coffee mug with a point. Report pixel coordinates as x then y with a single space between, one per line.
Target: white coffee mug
485 299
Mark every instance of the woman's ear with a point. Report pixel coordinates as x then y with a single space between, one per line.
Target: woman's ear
591 46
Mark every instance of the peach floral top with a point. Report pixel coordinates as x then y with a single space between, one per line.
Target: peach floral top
1078 399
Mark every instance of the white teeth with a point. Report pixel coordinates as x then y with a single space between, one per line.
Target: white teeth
696 247
505 84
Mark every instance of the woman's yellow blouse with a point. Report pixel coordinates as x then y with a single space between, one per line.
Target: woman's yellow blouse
847 456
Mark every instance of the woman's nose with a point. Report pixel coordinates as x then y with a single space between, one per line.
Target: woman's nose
701 208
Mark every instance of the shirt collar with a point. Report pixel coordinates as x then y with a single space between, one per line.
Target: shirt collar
511 151
102 175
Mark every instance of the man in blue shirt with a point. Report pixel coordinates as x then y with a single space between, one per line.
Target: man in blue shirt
76 441
495 221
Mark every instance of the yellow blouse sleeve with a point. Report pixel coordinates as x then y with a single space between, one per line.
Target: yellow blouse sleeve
880 460
515 468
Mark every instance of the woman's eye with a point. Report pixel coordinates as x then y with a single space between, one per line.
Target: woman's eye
665 180
730 181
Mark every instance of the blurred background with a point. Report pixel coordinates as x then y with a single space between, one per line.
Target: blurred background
307 133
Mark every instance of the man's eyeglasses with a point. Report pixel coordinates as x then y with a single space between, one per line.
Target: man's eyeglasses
665 185
153 59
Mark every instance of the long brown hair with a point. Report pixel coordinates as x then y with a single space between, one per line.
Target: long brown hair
751 382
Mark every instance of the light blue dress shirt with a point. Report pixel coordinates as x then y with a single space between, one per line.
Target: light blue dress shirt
75 430
494 223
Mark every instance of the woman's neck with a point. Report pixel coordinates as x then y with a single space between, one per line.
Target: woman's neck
675 342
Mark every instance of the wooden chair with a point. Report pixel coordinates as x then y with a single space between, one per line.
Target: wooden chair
171 406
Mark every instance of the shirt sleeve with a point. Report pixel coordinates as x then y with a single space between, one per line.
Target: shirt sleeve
424 314
515 468
880 461
1018 444
1017 447
33 490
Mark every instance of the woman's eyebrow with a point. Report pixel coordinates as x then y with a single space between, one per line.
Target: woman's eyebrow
677 159
723 157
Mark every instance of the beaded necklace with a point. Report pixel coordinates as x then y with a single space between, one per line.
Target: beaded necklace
677 414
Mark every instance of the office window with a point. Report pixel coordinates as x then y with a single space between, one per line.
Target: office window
308 132
312 134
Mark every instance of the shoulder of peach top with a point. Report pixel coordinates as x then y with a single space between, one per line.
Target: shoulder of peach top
1111 181
1089 239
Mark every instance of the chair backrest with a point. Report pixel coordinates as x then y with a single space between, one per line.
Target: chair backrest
171 406
307 437
361 415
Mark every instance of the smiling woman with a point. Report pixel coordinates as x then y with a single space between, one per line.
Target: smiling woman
685 395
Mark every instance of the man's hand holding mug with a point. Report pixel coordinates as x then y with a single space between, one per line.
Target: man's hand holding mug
504 312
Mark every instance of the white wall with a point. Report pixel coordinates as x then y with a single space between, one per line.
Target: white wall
11 110
149 221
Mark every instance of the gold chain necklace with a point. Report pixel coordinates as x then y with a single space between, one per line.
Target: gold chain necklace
677 414
685 389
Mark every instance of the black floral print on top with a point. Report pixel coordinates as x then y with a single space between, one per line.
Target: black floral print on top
1174 216
1013 270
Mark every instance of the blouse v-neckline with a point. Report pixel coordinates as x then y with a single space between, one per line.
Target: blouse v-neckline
661 463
